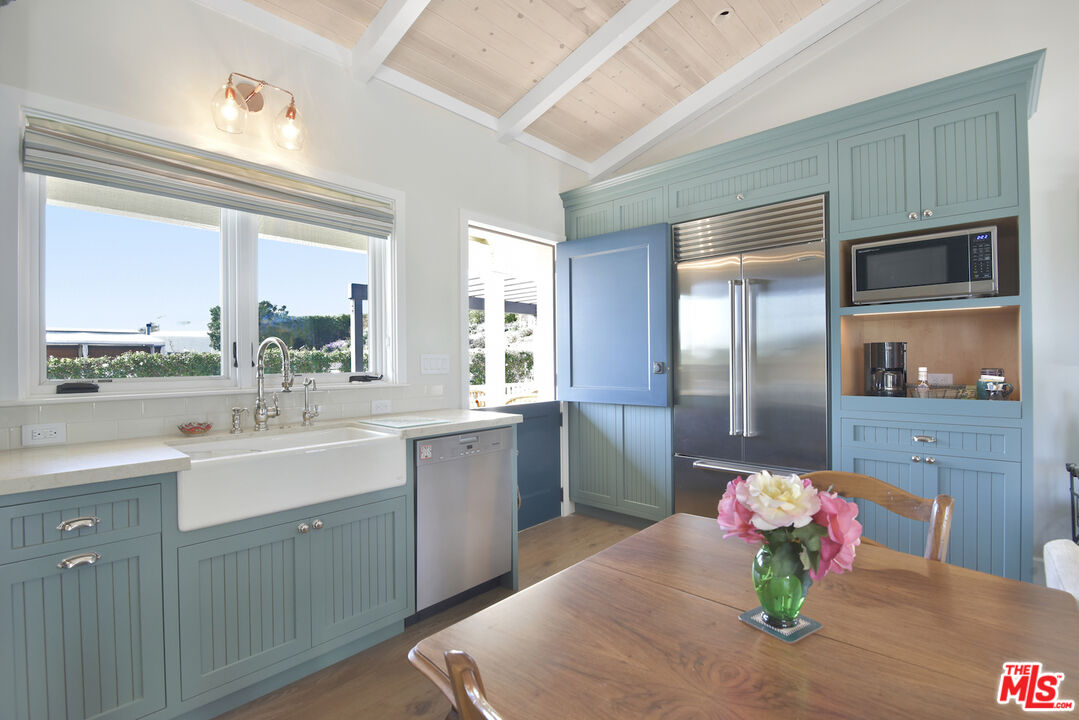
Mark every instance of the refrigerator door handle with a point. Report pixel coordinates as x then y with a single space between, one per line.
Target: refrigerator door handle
747 365
733 354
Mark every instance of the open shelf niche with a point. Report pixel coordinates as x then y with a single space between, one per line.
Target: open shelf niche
956 341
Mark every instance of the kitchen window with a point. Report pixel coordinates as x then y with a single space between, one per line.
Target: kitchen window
153 277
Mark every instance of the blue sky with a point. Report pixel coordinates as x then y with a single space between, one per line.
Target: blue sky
106 271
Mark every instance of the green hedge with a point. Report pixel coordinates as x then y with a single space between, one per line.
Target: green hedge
188 364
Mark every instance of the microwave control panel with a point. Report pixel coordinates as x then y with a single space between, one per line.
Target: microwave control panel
981 256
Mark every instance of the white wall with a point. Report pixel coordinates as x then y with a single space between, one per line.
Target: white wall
901 44
152 66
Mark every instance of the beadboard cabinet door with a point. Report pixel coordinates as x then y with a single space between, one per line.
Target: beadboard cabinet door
244 605
83 642
879 179
901 470
358 568
969 161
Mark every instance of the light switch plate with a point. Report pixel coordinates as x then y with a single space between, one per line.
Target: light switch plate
380 407
435 364
44 434
941 378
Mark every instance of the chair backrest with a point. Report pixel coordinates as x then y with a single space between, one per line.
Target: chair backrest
468 693
935 511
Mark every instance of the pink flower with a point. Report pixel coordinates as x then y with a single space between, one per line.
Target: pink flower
844 534
736 518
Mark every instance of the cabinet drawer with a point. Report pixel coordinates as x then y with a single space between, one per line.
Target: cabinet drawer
35 529
733 188
974 441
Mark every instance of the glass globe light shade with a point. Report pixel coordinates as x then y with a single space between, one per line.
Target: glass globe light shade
288 130
229 109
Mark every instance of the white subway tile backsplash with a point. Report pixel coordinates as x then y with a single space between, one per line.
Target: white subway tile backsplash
18 415
4 439
140 427
196 407
14 437
117 409
355 409
158 407
66 412
95 431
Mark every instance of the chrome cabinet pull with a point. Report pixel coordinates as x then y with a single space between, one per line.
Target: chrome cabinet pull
923 438
732 359
930 460
317 524
78 560
916 458
747 366
302 528
85 521
913 216
927 213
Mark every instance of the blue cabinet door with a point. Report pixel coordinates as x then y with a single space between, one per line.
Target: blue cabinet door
986 532
358 567
969 160
83 642
879 181
244 605
612 317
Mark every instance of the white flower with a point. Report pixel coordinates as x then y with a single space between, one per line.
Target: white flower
778 500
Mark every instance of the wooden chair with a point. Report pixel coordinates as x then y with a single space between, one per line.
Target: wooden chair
468 693
937 511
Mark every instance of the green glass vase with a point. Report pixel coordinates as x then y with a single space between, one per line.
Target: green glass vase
781 582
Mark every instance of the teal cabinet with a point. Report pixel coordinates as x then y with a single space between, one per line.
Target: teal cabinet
358 568
962 461
244 605
620 458
86 641
954 163
590 220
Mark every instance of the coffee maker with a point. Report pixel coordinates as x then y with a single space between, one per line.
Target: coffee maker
886 369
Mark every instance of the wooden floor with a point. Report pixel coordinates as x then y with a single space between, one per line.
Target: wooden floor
379 682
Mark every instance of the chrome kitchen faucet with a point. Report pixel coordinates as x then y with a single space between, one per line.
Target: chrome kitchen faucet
262 413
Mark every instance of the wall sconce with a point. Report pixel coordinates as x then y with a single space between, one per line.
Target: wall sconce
233 101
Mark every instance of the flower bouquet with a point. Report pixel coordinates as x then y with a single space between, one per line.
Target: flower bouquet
806 533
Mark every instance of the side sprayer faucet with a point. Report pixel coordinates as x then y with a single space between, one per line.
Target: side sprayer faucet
309 412
262 413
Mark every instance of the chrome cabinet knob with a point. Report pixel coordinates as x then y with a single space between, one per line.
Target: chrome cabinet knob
317 525
916 458
913 216
303 528
927 213
930 460
740 196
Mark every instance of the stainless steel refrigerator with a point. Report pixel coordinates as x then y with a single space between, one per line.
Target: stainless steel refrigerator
751 370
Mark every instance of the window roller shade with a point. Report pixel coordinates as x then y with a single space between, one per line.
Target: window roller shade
62 149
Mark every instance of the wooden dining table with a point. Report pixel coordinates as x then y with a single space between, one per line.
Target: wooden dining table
649 628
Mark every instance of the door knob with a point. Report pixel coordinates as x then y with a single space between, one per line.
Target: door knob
658 368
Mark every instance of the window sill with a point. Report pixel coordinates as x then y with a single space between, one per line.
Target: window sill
105 397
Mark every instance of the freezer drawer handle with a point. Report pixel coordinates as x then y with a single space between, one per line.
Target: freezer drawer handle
710 465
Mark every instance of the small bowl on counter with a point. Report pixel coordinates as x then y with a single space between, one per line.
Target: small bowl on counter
195 428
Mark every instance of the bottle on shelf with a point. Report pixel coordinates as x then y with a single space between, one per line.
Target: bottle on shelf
921 390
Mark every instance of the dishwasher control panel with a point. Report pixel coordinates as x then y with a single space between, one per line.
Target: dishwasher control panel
454 447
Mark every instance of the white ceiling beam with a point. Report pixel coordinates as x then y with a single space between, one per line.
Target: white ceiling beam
611 37
382 35
831 16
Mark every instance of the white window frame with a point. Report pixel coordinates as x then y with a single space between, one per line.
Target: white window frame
239 311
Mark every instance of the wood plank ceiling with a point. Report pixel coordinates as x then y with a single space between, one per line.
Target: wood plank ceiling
489 54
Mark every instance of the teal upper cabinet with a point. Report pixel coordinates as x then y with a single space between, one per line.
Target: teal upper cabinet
741 185
612 316
956 162
83 641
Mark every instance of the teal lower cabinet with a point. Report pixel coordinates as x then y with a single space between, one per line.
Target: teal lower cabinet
957 460
81 633
620 458
358 568
245 604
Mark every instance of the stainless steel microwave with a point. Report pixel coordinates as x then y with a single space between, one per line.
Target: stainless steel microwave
925 267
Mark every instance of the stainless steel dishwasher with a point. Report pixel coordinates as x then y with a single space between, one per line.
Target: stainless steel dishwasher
464 512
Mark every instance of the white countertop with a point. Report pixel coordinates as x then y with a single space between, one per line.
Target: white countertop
55 466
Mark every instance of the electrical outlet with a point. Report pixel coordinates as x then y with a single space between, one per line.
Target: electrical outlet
941 379
44 434
380 407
